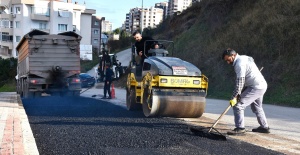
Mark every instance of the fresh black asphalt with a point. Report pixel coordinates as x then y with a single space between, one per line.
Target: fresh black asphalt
84 126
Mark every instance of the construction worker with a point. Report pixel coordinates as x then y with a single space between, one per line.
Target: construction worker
108 80
251 81
140 46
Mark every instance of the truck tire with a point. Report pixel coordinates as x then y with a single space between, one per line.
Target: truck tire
28 94
76 93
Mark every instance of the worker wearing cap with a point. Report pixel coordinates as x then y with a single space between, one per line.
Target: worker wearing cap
251 81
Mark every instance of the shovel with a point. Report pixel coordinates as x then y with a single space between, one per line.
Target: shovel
209 134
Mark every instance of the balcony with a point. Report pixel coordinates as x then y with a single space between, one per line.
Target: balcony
4 3
30 2
41 14
78 7
6 16
89 11
7 29
7 44
39 17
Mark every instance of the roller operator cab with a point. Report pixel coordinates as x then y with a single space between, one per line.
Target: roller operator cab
166 86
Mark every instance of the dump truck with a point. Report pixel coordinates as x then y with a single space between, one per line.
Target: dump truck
166 86
48 64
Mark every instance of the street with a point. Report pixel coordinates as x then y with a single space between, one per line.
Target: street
89 125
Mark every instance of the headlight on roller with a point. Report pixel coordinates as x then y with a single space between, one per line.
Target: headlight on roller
163 80
196 82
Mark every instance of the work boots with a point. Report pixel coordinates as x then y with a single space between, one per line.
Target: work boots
261 130
237 131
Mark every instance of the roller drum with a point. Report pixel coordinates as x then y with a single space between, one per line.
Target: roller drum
185 105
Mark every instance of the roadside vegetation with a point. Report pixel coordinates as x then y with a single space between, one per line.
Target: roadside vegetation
267 30
8 70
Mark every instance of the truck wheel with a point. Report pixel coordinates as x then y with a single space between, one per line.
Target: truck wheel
37 94
31 94
131 100
76 93
21 94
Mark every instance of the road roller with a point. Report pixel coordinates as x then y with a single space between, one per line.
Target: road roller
165 86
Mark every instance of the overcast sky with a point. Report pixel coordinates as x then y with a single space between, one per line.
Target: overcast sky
115 10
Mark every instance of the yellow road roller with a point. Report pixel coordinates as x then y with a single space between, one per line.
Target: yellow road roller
166 86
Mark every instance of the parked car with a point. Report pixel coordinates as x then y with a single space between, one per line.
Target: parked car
86 80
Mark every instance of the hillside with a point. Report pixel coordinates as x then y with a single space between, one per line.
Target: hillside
267 30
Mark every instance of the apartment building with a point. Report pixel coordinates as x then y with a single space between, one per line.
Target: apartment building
151 17
126 25
164 6
177 6
18 17
134 19
96 32
138 18
106 26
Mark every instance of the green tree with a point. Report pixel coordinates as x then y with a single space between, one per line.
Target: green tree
8 69
123 34
117 31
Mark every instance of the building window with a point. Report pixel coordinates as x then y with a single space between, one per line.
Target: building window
63 13
18 10
11 23
96 23
42 26
62 27
18 25
18 38
6 36
74 28
95 41
5 23
96 31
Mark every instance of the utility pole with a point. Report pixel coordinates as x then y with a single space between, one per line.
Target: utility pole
142 17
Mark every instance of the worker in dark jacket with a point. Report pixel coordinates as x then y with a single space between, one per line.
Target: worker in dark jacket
108 80
141 50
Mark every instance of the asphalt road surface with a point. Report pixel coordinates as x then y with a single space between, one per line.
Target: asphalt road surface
283 121
87 125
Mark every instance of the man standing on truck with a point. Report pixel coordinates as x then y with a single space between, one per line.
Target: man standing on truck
140 46
108 80
249 77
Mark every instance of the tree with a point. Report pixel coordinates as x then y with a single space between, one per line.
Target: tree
123 34
117 31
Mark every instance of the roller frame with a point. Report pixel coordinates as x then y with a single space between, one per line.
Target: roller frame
169 100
